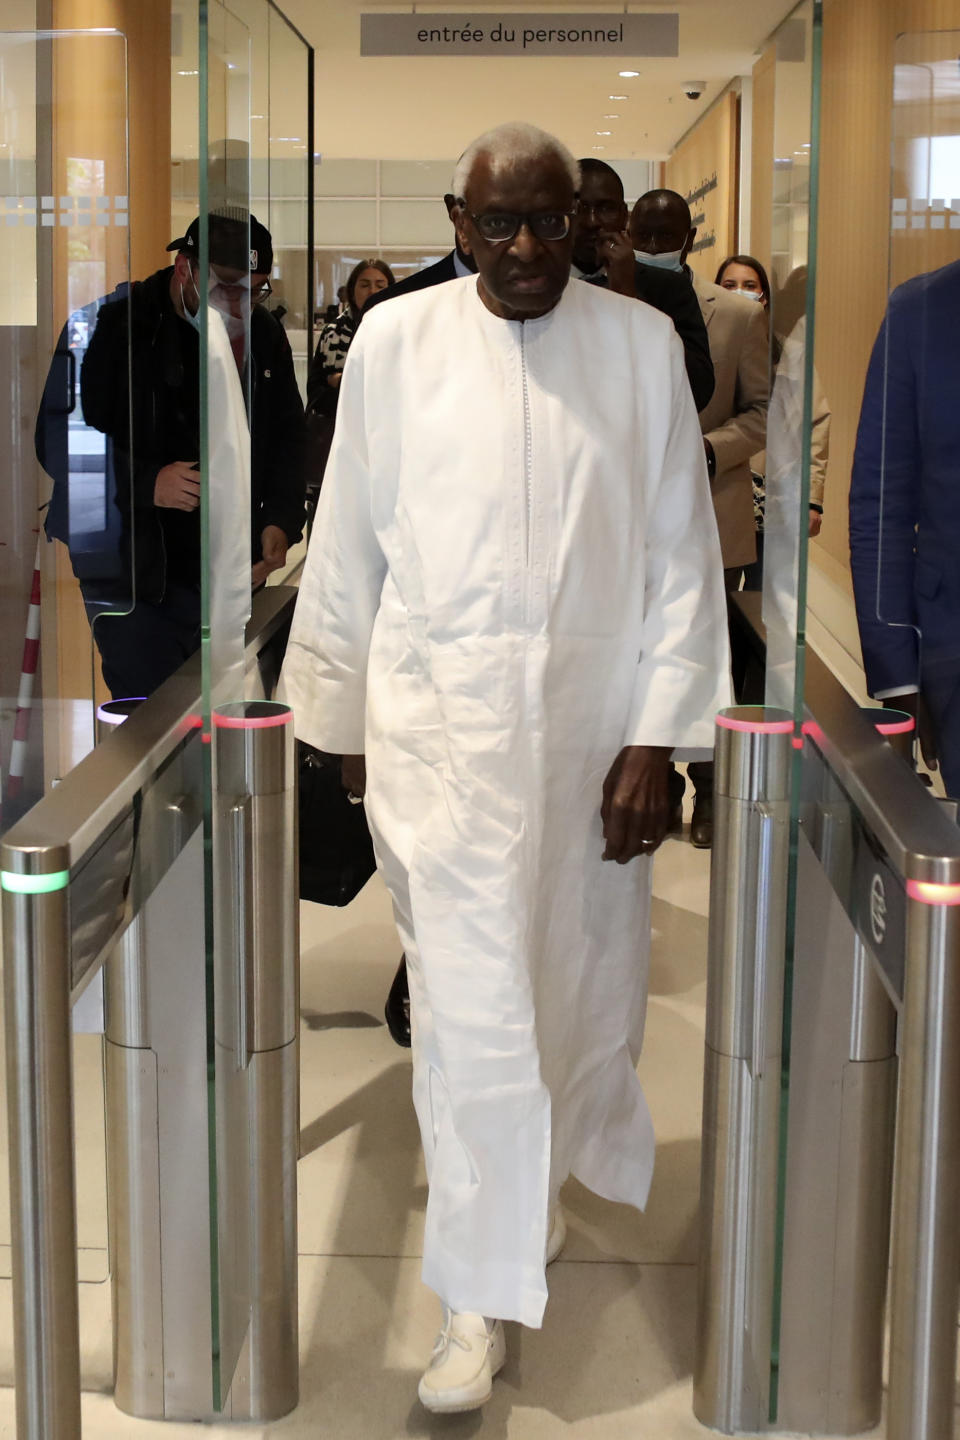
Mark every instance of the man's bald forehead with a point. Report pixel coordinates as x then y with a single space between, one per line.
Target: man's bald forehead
667 203
530 171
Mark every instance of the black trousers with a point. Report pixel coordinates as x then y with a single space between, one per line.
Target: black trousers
141 649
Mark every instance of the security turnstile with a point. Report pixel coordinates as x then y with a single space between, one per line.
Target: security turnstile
108 872
809 967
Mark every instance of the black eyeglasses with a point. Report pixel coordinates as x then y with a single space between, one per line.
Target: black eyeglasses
608 212
263 292
499 226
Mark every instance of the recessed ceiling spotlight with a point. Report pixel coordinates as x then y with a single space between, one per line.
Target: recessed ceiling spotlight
628 74
611 117
618 97
603 132
598 147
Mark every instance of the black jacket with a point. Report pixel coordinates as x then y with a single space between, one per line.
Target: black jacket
155 420
673 294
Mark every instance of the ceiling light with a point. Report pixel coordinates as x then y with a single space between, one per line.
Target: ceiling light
611 117
628 74
618 97
188 72
603 132
598 147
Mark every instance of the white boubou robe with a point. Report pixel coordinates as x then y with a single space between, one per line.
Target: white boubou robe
514 572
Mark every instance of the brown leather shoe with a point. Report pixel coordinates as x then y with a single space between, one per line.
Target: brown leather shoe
701 825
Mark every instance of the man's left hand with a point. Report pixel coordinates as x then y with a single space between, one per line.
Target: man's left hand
816 520
273 545
615 253
636 802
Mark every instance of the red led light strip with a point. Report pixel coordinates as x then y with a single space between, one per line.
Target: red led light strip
252 722
928 892
756 727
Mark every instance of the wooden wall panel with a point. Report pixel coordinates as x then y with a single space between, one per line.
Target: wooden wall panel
709 152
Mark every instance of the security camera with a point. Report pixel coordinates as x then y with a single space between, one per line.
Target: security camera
693 89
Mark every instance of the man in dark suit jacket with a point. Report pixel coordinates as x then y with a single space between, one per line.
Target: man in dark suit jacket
451 267
603 254
905 514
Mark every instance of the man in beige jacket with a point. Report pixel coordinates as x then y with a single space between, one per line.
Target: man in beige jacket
734 423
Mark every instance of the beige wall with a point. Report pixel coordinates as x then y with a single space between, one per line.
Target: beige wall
854 229
710 149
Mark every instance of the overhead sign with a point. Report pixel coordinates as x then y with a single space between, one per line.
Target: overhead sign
510 34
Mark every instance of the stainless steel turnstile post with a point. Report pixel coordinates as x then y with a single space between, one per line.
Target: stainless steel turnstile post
738 1193
158 1124
109 868
926 1240
257 1010
840 1131
40 1117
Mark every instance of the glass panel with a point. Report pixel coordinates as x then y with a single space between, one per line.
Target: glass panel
346 177
796 399
226 241
65 497
346 221
416 177
289 196
797 426
333 267
415 222
63 209
252 279
903 530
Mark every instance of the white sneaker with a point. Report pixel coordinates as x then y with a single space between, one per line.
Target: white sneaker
466 1356
557 1237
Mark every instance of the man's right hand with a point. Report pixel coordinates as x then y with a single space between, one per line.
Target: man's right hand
915 705
178 486
615 254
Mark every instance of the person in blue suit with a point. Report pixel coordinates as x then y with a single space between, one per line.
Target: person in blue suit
905 514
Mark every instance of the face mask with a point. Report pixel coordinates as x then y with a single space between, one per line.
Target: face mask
750 294
229 305
666 260
191 319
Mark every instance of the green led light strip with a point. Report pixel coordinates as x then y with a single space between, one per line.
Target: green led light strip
34 884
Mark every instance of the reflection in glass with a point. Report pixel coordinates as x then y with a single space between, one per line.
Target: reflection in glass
793 408
64 211
904 519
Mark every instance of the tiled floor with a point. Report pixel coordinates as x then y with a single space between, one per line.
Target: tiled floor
613 1361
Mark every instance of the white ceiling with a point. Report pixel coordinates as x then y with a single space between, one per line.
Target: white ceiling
425 107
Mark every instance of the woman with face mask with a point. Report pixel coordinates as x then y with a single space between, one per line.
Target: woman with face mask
323 383
744 275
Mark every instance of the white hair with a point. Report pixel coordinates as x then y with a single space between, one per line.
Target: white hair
512 144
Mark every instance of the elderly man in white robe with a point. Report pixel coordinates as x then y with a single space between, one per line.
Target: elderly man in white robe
513 607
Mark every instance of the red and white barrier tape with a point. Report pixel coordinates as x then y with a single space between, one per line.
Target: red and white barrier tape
31 656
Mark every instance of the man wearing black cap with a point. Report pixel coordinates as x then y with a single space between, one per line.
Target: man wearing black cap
153 422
